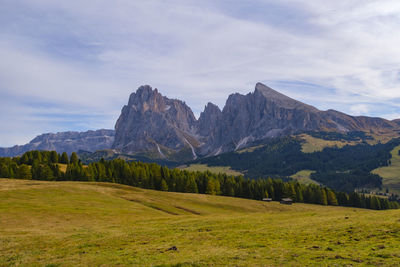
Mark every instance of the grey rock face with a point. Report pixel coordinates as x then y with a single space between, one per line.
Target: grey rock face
65 142
397 121
151 122
156 124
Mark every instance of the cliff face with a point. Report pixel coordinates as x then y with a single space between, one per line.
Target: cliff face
65 142
153 123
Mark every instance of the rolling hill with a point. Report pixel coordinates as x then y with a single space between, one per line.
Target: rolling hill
93 224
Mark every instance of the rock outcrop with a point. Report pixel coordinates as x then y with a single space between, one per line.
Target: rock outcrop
155 126
65 142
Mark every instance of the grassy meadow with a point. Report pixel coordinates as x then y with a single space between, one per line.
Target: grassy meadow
312 144
212 169
391 173
101 224
303 177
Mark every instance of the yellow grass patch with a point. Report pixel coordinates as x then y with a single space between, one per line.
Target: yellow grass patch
313 144
101 224
304 177
212 169
391 173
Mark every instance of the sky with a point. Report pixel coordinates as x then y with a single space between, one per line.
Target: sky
71 65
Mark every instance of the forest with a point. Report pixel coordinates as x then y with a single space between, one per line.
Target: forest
336 136
45 165
343 169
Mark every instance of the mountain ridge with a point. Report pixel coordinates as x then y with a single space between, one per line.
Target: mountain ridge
70 141
244 119
155 126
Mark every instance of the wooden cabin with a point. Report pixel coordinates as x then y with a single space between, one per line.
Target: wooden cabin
287 201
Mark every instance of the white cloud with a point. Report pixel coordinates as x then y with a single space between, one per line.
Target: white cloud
359 109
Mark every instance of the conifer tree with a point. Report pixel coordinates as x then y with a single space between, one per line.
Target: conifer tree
24 172
191 186
331 197
53 157
164 185
64 158
74 158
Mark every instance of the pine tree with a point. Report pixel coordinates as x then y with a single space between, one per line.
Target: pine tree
375 203
299 193
191 186
164 186
64 158
45 173
25 159
228 187
320 196
74 158
53 157
4 171
24 172
331 197
210 189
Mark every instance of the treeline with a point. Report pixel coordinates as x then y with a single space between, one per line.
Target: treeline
45 166
343 169
40 165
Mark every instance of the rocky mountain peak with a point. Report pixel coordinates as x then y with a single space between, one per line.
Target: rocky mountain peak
209 119
280 99
157 126
155 123
211 108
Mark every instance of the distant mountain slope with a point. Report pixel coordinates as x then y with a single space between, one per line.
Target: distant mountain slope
344 169
159 127
65 142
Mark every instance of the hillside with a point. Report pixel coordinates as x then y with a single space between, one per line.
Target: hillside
391 173
342 168
91 224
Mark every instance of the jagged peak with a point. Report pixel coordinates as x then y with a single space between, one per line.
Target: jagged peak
287 102
271 93
209 109
211 106
143 94
146 91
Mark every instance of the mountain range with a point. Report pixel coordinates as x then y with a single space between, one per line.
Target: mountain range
155 126
160 127
65 142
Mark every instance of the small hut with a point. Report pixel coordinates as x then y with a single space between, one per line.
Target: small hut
287 201
267 199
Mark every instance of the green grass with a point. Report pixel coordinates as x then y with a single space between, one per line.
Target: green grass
249 149
304 177
391 173
100 224
313 144
212 169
